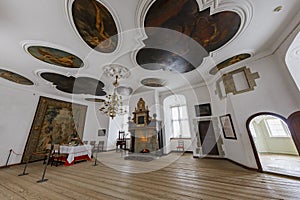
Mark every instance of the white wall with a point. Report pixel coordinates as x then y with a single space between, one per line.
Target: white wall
274 93
17 109
115 125
93 122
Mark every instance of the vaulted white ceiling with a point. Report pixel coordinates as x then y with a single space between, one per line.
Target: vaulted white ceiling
50 23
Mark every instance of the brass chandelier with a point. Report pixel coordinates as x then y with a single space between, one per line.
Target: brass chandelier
113 105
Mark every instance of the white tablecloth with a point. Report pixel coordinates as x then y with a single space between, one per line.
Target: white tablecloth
75 151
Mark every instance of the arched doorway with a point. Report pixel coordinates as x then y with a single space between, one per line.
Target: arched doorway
273 144
294 125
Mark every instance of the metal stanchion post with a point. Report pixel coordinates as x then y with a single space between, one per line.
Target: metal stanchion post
95 164
45 168
8 157
24 171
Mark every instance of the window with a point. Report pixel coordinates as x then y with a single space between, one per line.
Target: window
277 128
179 121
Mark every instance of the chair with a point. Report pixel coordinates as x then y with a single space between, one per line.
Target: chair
121 135
48 150
180 145
56 156
100 147
121 141
93 144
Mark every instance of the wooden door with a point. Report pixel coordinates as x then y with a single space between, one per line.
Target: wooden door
294 126
207 138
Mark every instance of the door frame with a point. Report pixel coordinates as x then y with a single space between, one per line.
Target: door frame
255 152
292 131
213 134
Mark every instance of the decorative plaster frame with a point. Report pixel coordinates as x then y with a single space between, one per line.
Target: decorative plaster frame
229 83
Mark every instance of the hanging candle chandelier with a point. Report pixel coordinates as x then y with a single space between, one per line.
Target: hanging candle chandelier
113 105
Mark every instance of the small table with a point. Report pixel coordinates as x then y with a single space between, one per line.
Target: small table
76 153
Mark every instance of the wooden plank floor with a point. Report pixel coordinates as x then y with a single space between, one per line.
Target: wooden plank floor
170 177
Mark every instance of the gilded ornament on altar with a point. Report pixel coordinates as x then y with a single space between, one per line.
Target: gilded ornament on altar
141 114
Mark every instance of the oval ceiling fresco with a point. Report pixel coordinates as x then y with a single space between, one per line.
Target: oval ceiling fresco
154 82
55 56
210 32
72 85
95 25
162 59
17 78
228 62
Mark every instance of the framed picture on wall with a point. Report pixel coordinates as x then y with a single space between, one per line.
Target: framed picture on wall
227 127
101 132
203 110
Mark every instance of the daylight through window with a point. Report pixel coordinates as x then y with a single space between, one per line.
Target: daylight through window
277 128
179 120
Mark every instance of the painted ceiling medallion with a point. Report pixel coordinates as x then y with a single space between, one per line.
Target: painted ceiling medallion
154 82
162 59
95 25
55 56
210 32
95 100
124 91
228 62
17 78
72 85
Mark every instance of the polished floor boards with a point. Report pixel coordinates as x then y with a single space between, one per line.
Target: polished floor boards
281 163
169 177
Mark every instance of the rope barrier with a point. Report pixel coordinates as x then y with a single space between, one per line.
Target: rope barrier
11 151
42 154
17 154
48 154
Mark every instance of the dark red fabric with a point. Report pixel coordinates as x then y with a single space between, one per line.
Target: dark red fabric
83 157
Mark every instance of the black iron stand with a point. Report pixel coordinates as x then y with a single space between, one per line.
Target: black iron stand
45 168
8 157
24 171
